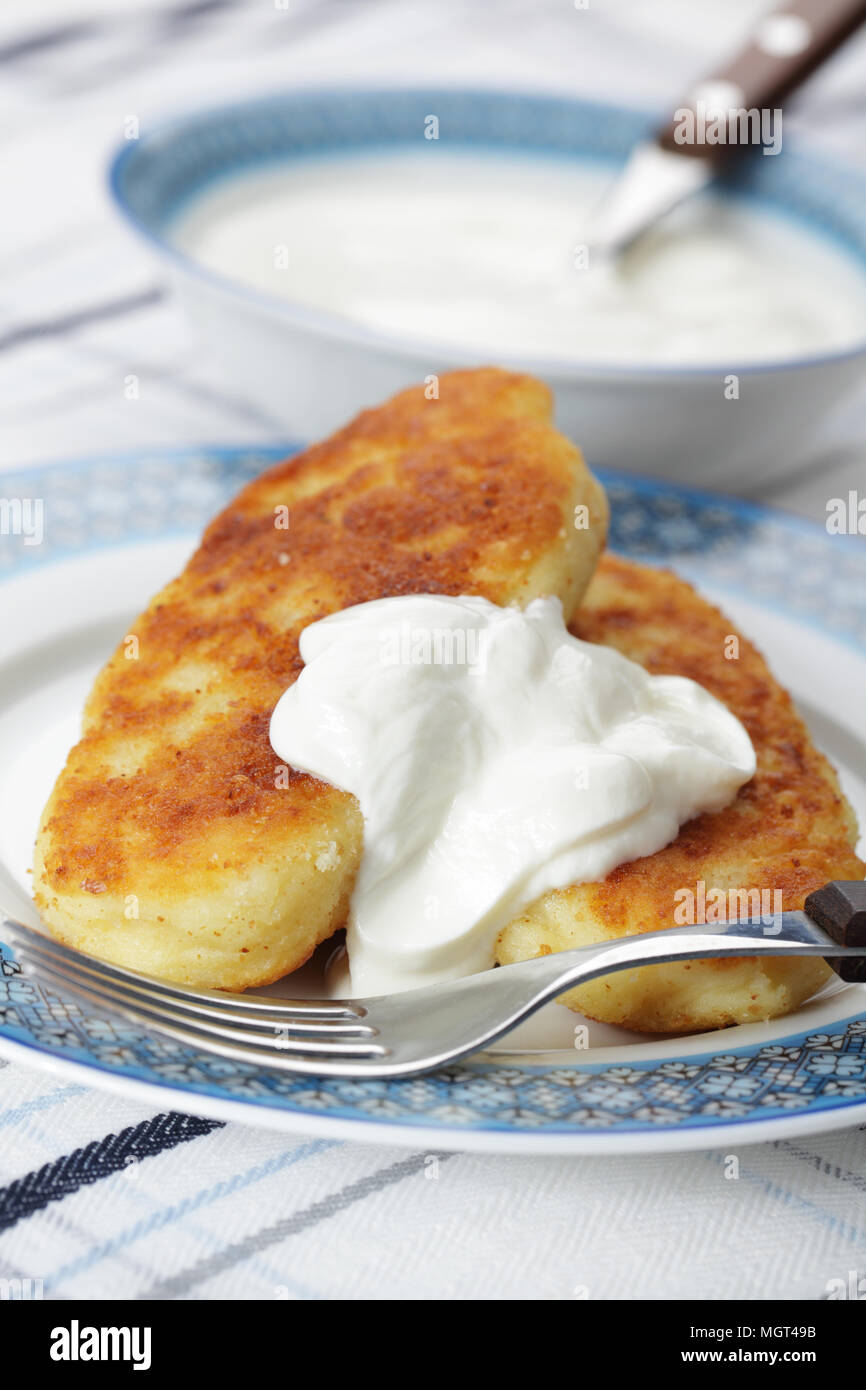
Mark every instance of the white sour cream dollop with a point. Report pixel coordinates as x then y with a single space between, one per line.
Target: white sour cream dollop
495 756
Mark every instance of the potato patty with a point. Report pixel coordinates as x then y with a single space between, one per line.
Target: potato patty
172 843
790 829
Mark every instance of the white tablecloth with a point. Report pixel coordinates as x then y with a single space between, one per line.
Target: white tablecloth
100 1196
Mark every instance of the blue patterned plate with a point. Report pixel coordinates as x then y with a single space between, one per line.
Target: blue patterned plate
109 531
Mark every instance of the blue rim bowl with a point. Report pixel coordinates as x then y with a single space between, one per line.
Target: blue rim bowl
157 176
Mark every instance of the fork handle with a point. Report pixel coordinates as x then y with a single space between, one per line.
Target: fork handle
840 909
553 974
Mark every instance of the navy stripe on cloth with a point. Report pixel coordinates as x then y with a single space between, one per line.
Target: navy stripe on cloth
70 323
42 40
65 1175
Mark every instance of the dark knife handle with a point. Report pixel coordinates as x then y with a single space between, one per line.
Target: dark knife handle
784 48
840 909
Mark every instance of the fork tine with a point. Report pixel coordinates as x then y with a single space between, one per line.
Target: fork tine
226 1001
43 954
246 1046
332 1062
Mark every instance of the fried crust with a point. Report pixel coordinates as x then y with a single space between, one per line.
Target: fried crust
172 842
790 828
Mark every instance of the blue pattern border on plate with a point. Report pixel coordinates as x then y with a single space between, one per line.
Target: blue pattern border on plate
119 501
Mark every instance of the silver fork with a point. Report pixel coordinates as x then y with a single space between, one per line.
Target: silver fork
402 1034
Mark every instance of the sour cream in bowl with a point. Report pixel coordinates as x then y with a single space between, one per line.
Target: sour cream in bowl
331 252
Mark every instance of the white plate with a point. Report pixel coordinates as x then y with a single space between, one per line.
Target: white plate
115 530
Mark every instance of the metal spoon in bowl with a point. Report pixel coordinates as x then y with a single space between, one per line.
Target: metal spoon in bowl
737 106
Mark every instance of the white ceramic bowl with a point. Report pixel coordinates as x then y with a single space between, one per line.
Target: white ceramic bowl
312 370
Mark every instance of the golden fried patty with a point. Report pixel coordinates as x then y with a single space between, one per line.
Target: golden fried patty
790 828
172 841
